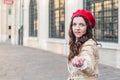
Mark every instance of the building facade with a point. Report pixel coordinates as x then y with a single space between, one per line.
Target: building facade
8 24
44 24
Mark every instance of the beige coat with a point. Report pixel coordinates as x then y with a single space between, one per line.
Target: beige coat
90 53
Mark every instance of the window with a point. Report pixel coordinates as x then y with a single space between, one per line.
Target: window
33 28
106 13
56 18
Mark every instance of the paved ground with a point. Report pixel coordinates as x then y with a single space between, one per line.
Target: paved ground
23 63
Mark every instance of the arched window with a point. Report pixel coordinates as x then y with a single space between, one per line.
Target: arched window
106 13
33 28
56 18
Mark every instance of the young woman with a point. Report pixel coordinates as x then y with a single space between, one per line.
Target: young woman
83 57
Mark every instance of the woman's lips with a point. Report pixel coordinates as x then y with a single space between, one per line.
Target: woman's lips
77 32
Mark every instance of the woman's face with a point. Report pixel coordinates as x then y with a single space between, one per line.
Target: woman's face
79 27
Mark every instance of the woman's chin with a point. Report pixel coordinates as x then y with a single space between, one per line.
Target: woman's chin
77 36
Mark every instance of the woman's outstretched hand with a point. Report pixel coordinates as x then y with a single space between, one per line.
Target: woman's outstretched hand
78 61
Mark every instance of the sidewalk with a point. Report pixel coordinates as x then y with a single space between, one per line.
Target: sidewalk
23 63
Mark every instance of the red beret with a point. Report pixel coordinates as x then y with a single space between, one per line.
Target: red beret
87 15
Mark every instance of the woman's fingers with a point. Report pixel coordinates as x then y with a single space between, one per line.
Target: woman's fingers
78 61
74 61
81 60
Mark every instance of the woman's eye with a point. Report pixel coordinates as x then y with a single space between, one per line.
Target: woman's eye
74 24
81 24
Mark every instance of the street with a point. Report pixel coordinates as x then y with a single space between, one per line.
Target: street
24 63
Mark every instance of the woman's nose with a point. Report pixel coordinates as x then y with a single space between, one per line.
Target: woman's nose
77 27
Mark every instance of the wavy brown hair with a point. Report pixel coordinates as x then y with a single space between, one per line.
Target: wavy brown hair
75 46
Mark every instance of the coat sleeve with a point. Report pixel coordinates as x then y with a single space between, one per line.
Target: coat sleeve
89 53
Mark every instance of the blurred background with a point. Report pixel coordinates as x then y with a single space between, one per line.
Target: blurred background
44 24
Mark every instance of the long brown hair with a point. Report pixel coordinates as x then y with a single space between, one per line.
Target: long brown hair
75 46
